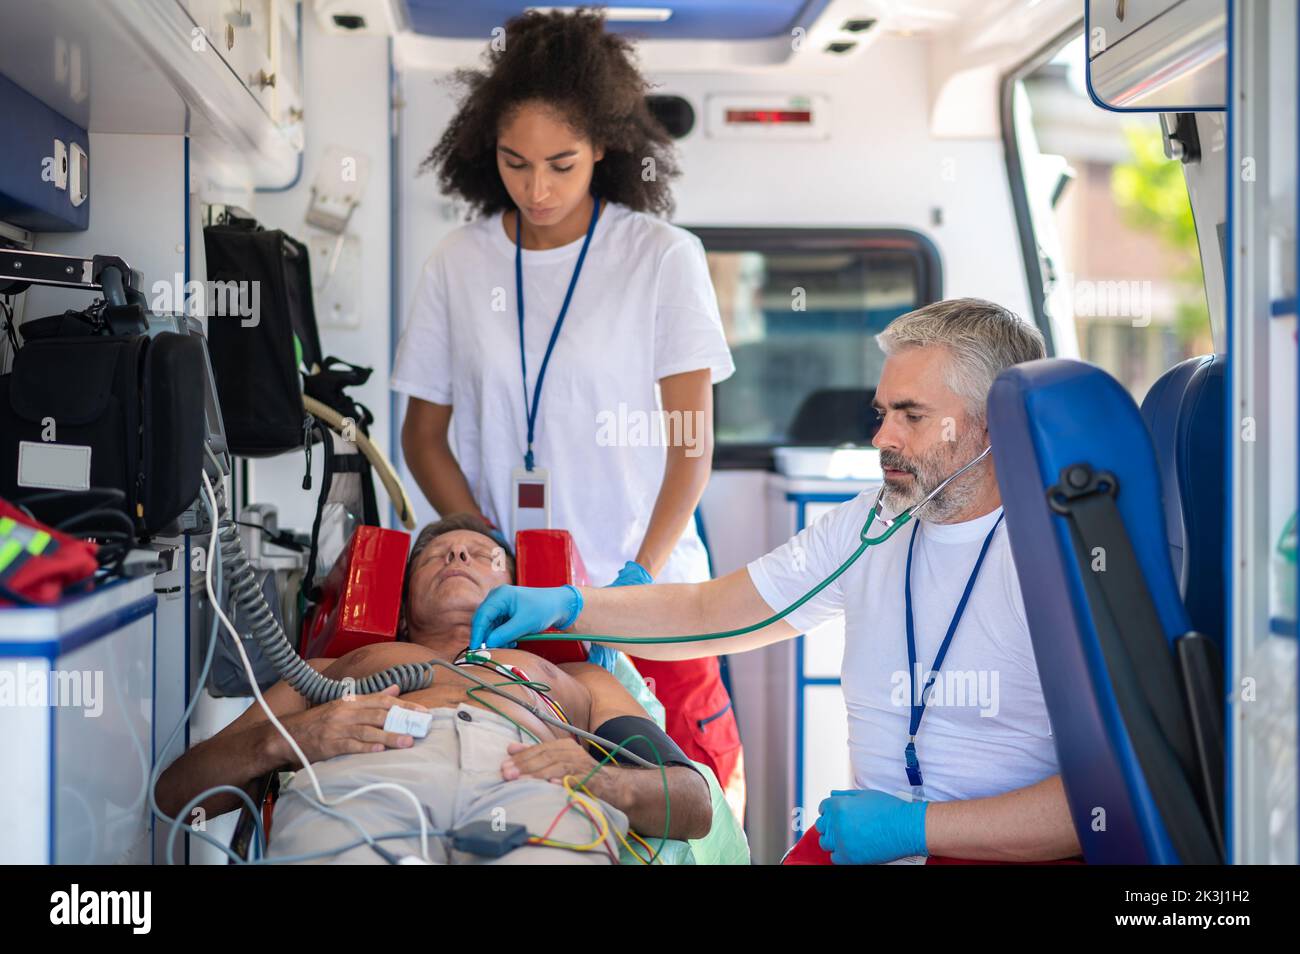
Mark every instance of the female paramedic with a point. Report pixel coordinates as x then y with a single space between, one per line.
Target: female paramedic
573 334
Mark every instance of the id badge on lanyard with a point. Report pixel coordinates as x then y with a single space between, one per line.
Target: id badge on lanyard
530 491
530 486
911 760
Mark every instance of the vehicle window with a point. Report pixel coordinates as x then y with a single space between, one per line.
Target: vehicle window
1113 227
801 324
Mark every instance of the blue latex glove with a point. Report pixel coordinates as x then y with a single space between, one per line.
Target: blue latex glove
865 827
632 574
513 611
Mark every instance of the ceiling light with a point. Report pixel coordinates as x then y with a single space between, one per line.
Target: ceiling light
857 25
619 14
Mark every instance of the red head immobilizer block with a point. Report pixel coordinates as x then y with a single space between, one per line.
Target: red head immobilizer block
550 558
361 599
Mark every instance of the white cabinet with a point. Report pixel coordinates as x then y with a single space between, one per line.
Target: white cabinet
258 40
1112 20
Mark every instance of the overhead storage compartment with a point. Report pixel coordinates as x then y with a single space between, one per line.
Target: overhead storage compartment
1165 55
224 72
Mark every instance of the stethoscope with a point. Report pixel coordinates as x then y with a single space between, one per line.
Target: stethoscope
892 525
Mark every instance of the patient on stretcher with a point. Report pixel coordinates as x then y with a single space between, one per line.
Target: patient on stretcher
485 757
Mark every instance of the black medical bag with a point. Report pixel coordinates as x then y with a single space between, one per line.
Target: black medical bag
254 358
131 403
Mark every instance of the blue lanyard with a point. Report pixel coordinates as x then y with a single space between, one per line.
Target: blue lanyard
912 763
531 413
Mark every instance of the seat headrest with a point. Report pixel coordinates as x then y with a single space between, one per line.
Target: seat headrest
1186 415
1045 416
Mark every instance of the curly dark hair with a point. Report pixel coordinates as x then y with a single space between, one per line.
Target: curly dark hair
588 76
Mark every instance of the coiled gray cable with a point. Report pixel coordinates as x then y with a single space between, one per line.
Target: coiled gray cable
262 625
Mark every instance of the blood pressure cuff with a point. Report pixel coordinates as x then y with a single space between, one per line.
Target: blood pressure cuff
622 728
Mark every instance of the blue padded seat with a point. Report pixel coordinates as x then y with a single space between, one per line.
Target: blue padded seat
1185 413
1133 798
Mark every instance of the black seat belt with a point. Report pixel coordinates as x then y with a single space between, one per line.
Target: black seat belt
1139 660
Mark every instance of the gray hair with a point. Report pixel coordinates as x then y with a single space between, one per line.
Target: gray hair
982 338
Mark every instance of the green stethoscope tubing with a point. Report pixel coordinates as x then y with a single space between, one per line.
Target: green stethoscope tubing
866 541
891 527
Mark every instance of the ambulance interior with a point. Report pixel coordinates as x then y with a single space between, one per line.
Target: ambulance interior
1124 180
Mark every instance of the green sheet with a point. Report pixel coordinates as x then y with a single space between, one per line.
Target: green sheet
725 844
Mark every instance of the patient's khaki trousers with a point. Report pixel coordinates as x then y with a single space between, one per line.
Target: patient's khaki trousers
455 772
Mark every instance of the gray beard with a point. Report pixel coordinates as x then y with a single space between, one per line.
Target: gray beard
944 508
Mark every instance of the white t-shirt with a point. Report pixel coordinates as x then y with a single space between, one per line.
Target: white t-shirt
985 729
643 309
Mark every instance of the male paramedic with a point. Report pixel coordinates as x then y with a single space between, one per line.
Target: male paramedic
950 745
